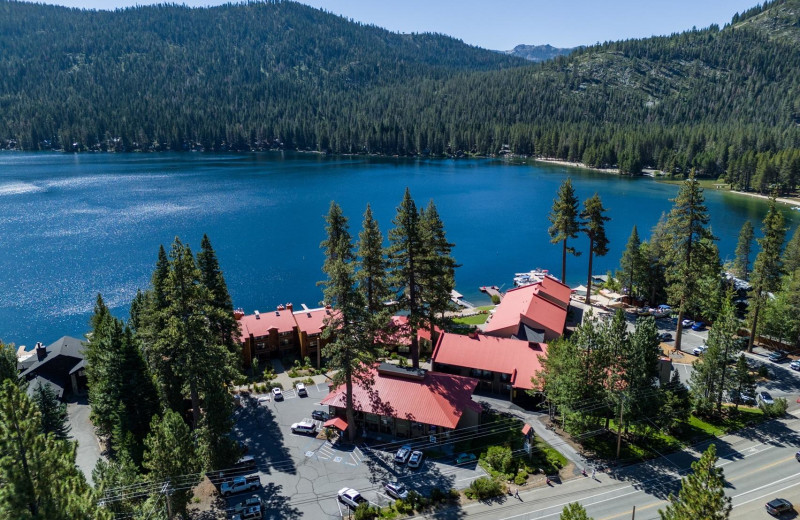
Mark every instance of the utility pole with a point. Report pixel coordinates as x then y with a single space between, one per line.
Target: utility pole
167 492
633 515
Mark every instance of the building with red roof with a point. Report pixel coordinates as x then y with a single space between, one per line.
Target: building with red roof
267 334
536 312
397 336
501 365
310 325
408 402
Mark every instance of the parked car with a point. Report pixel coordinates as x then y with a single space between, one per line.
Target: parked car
698 325
416 459
243 466
320 415
396 490
463 458
795 365
665 336
765 398
305 427
251 501
797 456
402 455
277 394
699 351
687 323
643 311
240 485
778 356
350 497
249 513
301 390
735 397
778 506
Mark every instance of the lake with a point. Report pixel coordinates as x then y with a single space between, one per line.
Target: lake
75 225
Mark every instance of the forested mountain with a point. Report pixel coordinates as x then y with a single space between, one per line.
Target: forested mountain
537 53
283 75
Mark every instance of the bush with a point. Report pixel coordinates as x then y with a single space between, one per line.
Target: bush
403 362
394 356
500 459
521 478
365 512
403 507
763 371
496 299
776 409
293 373
308 381
485 487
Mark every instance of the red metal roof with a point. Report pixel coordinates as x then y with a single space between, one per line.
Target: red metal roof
526 429
312 321
437 399
397 332
281 319
527 304
518 358
337 422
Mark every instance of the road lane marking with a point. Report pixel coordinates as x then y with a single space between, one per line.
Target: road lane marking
560 506
766 486
762 468
771 493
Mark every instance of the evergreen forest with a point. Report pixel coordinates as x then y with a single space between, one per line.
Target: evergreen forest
280 75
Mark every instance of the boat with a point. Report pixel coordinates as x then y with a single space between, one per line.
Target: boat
531 277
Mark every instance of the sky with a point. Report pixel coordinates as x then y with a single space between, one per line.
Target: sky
503 24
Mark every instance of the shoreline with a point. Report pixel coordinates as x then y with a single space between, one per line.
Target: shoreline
795 202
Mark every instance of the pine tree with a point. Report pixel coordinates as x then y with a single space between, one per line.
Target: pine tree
350 353
691 255
767 268
702 493
38 471
594 225
170 453
640 369
53 412
574 511
741 265
8 362
406 263
438 272
791 256
223 324
714 372
372 264
631 264
742 381
564 220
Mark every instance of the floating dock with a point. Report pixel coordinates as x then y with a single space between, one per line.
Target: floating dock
492 290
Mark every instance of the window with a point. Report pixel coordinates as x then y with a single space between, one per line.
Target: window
505 377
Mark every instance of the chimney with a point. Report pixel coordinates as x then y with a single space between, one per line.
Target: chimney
238 314
289 306
41 350
258 316
473 334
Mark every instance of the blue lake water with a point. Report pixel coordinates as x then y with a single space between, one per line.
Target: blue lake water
75 225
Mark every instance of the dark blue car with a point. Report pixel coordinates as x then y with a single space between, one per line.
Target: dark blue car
698 325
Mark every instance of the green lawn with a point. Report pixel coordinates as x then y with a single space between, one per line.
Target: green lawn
477 319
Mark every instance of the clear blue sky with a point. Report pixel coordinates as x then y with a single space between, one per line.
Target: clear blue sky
502 24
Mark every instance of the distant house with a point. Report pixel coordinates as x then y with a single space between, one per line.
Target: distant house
60 365
501 365
310 325
397 336
407 402
268 334
535 313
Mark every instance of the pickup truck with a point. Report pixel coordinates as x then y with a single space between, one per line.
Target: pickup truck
240 485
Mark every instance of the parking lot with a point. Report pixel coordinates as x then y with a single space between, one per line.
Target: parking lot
302 474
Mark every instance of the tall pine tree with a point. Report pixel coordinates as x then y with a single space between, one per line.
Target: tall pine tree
741 266
438 273
767 268
631 264
702 493
564 222
594 225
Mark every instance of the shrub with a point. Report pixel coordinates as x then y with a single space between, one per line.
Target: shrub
521 478
485 487
500 459
307 363
293 373
308 381
495 299
365 512
776 409
394 356
437 495
763 371
403 362
403 507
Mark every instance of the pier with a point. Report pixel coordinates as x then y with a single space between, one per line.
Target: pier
492 290
458 299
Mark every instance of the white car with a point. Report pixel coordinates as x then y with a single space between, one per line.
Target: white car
402 455
765 398
415 460
699 351
350 497
277 394
398 490
687 323
301 390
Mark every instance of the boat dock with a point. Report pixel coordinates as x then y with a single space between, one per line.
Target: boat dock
492 290
458 299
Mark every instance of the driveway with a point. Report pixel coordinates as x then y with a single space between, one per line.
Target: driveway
82 430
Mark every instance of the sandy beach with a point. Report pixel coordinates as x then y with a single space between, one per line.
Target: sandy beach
577 165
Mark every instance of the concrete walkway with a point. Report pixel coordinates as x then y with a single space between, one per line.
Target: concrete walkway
82 430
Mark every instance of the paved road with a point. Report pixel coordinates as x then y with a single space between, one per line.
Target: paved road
82 430
759 465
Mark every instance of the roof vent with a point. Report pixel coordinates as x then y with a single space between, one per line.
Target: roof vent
258 315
